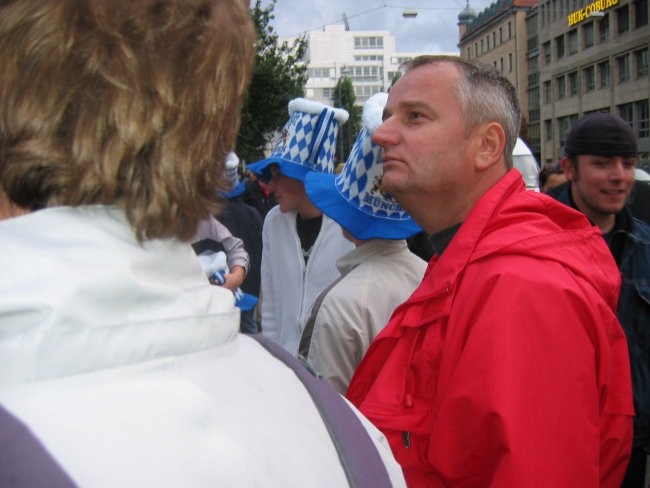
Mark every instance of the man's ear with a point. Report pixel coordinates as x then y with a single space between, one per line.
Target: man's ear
568 167
492 144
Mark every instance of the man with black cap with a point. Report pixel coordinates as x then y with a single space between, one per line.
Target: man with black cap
600 157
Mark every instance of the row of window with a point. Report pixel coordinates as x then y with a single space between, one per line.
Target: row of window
369 42
363 91
483 45
355 73
598 76
637 114
369 57
552 11
499 64
592 31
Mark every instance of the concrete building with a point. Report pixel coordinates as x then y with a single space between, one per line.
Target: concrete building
498 36
368 58
569 58
593 57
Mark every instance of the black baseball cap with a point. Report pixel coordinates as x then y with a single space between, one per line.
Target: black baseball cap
601 134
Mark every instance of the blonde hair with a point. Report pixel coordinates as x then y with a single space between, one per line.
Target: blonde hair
122 102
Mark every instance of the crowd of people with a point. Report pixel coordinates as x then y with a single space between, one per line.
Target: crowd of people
171 315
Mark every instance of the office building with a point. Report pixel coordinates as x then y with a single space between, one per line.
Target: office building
368 58
569 58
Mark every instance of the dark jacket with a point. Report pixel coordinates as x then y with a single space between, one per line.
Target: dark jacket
633 310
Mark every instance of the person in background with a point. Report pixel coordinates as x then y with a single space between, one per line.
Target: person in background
121 364
257 194
600 158
550 177
378 275
475 380
245 222
300 245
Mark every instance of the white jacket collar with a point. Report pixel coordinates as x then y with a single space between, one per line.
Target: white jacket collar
79 293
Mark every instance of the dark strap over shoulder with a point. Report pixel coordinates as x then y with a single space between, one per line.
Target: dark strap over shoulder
359 457
24 461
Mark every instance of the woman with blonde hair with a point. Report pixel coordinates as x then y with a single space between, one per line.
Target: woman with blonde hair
121 364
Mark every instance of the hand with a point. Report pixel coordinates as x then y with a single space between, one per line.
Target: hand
235 278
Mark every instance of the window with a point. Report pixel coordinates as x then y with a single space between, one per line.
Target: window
626 112
501 64
369 42
468 55
589 74
604 74
573 41
500 34
573 84
494 39
509 30
546 47
642 114
328 93
641 61
366 91
548 129
482 47
564 125
640 13
476 49
559 47
603 28
321 73
623 64
623 19
487 42
560 85
588 34
510 62
369 57
548 92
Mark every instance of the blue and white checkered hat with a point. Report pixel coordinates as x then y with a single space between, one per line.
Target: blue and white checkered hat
355 198
306 142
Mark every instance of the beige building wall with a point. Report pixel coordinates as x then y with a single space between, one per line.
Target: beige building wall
598 63
497 36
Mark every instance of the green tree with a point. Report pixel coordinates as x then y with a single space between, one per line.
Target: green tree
279 76
344 98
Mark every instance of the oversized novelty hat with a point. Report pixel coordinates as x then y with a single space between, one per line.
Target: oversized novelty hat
355 198
231 176
306 143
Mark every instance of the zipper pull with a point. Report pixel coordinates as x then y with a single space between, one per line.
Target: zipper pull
406 436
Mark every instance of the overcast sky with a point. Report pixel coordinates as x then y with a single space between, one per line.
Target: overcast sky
434 29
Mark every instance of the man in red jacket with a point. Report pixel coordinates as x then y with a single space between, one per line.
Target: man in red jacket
507 366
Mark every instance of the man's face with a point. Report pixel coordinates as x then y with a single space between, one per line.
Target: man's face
289 192
424 141
600 184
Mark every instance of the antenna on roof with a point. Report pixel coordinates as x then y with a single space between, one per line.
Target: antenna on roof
345 21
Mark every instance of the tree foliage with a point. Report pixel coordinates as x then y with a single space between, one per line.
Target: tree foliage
345 98
279 76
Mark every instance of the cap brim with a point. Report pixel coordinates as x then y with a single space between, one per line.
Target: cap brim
286 167
236 191
322 191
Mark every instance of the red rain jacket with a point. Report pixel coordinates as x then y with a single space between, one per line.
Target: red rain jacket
507 367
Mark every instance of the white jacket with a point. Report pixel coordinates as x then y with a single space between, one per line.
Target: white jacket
127 365
289 287
378 276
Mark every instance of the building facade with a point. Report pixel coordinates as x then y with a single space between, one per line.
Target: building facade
498 36
368 58
570 58
593 57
